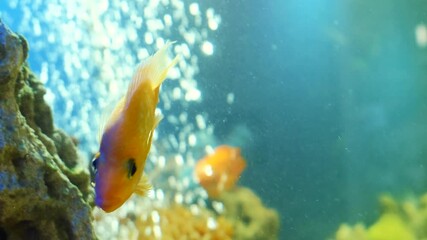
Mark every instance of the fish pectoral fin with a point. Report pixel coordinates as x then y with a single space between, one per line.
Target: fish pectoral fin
143 186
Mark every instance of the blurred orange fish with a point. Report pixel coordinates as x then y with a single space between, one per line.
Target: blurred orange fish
127 136
220 171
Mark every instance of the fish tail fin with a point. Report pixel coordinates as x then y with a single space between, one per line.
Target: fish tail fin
154 70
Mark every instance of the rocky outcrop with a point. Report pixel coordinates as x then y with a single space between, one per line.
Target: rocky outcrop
44 194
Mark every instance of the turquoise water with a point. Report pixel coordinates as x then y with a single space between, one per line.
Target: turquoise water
335 96
326 99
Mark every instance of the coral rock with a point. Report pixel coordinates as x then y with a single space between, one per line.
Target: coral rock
41 197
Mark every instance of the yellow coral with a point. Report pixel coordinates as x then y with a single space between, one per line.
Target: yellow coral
177 223
346 232
244 217
250 218
416 213
390 226
407 221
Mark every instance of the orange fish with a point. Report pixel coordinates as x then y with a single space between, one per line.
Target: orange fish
126 139
221 170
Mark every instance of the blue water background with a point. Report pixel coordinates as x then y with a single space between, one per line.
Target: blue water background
335 94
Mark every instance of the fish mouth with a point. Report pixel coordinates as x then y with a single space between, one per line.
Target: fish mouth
110 204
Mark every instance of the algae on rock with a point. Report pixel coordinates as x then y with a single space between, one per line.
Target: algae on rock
43 192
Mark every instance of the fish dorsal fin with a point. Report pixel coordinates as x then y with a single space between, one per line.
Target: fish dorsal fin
154 69
108 117
143 186
115 114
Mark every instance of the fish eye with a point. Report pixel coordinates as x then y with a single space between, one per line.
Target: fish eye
95 162
131 166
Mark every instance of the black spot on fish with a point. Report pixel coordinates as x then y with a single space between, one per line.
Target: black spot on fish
131 166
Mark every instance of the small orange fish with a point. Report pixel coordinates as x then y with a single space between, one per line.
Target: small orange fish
221 170
126 139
